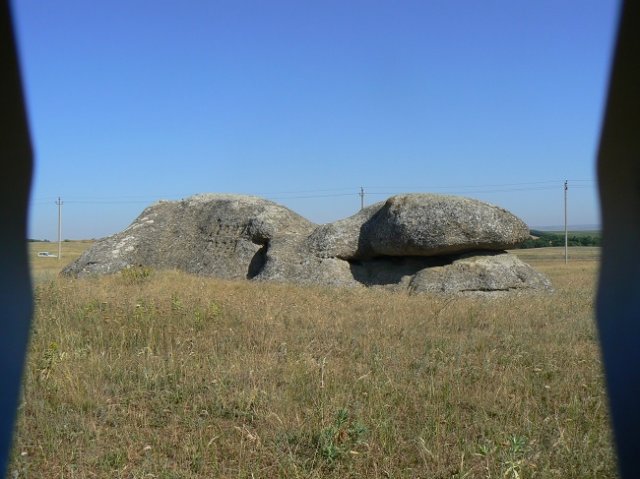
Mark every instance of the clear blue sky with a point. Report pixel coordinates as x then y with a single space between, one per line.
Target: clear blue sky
306 101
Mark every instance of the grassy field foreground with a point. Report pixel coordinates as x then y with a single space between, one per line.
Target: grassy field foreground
171 376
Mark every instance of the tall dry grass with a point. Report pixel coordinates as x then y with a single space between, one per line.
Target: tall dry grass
165 375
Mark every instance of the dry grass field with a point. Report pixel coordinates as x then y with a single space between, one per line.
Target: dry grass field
163 375
47 269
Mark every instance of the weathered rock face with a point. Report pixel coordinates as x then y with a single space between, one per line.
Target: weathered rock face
419 225
342 238
484 272
417 243
225 236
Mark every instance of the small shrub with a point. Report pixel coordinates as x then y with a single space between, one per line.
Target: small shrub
341 437
136 274
50 357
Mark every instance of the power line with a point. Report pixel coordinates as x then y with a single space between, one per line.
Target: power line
350 188
337 192
111 202
309 196
505 190
433 187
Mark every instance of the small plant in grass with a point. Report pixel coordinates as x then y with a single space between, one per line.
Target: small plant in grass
341 437
198 320
50 357
486 451
113 460
214 309
176 302
200 315
135 274
514 461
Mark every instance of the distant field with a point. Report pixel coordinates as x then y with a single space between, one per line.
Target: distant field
48 268
555 254
540 238
173 376
572 233
585 233
44 269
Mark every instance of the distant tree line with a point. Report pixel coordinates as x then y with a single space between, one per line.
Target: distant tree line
31 240
542 239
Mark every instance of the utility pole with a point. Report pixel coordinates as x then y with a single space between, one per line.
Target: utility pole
59 203
566 238
361 198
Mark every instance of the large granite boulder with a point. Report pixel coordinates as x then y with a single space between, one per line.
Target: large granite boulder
308 270
419 225
416 243
342 238
225 236
480 272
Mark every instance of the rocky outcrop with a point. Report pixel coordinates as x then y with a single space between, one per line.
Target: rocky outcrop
226 236
485 272
420 225
418 242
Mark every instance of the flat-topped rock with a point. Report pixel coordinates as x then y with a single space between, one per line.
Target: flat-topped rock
419 225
